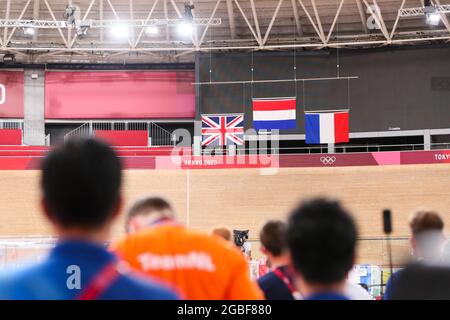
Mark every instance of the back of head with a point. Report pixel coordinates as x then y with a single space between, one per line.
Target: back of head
427 232
145 210
321 238
81 183
424 220
273 237
222 232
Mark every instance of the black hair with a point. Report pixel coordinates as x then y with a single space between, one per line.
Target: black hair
322 238
81 183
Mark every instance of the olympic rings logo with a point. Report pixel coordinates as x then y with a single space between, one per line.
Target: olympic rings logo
328 160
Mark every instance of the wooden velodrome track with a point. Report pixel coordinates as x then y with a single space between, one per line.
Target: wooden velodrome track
245 199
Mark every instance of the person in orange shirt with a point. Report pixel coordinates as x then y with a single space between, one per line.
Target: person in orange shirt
200 266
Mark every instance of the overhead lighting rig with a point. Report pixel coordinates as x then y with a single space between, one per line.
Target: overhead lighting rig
139 23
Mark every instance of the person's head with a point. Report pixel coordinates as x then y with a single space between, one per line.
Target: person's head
426 234
147 210
222 232
321 237
81 187
273 240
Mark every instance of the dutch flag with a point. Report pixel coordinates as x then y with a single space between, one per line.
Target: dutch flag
274 113
326 127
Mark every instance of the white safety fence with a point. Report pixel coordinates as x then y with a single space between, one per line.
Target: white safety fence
18 251
158 136
11 124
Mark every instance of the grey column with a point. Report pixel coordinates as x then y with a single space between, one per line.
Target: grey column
426 140
331 148
34 116
197 140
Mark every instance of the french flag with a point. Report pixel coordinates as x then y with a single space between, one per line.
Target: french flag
330 127
274 113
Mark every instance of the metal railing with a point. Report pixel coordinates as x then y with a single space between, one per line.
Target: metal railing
158 136
11 124
241 150
82 131
47 140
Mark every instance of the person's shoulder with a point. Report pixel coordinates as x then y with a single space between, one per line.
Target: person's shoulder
205 240
398 273
218 243
395 275
273 287
225 249
269 276
135 287
18 283
134 240
267 280
145 235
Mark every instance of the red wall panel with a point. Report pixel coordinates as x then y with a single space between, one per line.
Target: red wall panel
10 137
11 94
119 94
123 138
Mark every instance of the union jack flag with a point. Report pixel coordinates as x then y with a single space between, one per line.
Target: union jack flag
222 130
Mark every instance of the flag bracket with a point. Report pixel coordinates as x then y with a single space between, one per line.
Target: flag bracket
325 111
274 80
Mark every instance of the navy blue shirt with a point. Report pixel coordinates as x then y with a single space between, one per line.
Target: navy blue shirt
390 285
273 287
48 280
327 296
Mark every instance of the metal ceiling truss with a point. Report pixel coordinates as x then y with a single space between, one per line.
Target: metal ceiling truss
243 26
419 11
53 24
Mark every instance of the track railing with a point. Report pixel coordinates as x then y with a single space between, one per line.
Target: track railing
241 150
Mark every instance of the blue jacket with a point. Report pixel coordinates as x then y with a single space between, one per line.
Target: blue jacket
390 285
327 296
49 279
273 287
